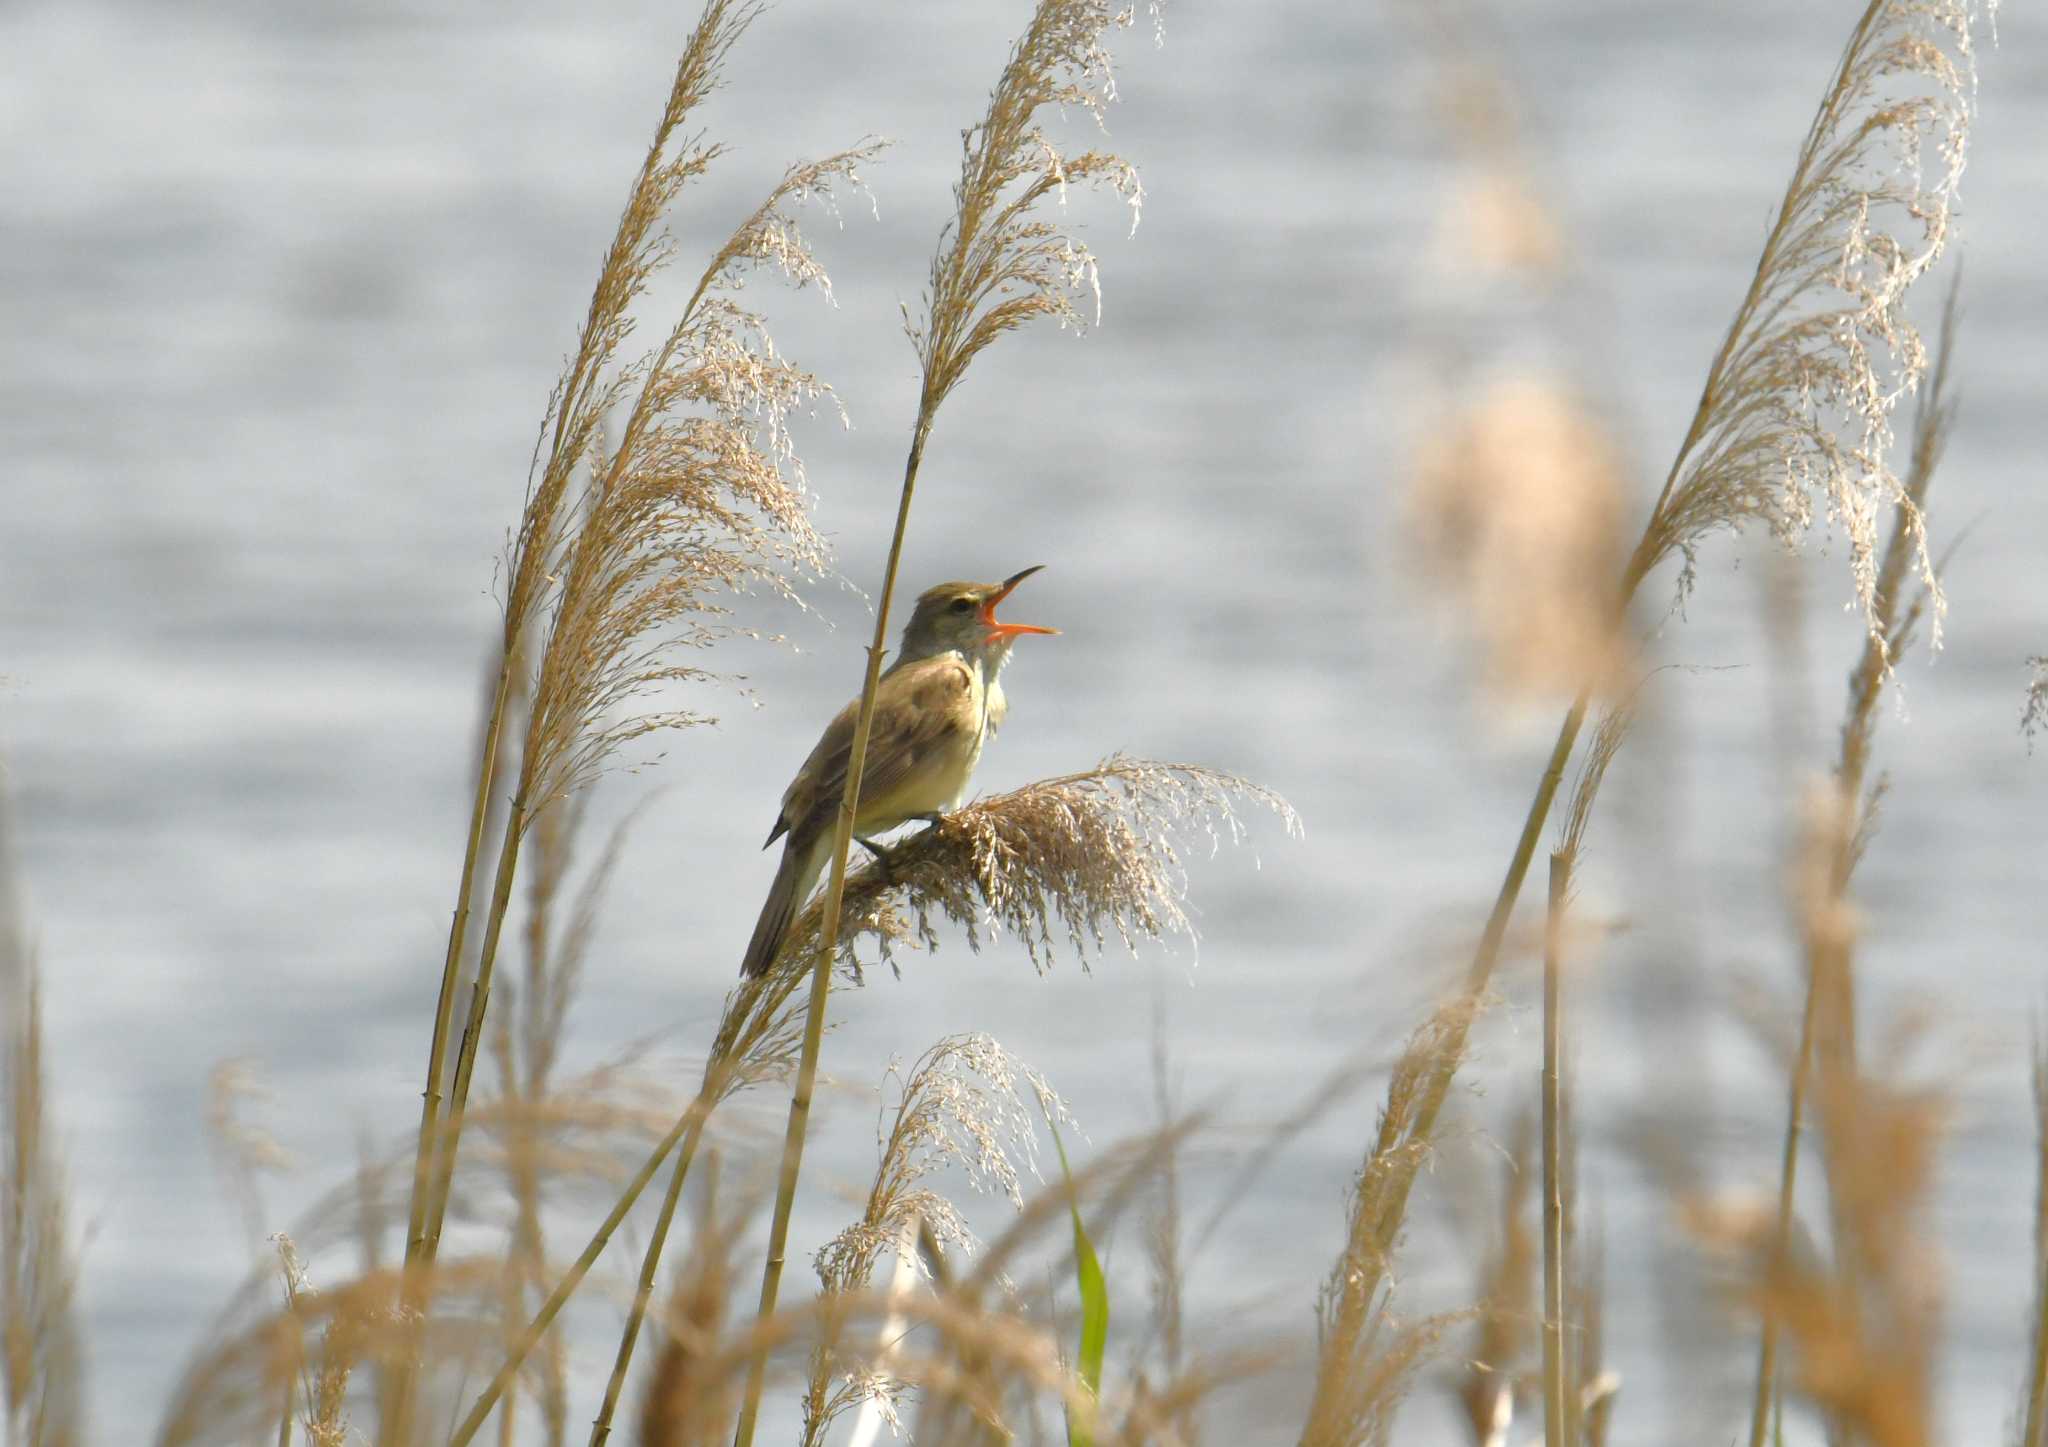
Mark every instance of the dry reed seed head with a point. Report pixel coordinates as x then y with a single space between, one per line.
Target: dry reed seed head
1358 1392
961 1104
2034 712
1516 506
996 268
1608 737
572 429
1088 857
1360 1372
701 495
1795 419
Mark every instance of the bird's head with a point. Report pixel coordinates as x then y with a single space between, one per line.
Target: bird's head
962 617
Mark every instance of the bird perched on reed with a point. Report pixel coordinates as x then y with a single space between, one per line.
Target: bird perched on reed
934 709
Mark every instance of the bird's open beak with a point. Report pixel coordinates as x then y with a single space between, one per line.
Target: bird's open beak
1004 631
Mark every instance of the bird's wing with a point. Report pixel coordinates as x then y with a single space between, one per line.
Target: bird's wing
918 708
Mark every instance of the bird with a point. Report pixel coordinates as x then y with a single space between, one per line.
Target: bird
935 707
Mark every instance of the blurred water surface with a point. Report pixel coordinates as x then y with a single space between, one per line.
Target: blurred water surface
287 287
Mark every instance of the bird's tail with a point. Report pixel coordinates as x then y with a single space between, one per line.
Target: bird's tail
802 861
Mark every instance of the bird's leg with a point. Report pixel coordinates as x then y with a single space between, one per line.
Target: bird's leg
887 857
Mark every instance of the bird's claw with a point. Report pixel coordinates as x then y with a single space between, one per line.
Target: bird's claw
885 859
888 857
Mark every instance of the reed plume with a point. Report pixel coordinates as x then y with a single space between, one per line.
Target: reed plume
1093 856
681 1408
1516 507
1795 416
997 267
698 497
1819 345
1828 1014
961 1103
1082 860
1862 1328
1365 1356
2034 711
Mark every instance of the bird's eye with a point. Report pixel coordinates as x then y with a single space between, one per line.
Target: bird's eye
961 605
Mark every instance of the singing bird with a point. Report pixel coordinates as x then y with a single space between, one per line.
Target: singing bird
934 709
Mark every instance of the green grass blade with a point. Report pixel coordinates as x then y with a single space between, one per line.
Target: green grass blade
1094 1299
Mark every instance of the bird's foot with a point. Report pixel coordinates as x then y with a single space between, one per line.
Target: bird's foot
885 859
889 857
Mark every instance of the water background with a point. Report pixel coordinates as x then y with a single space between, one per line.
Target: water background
285 291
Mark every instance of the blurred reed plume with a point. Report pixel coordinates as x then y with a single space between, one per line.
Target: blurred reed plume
680 1407
1365 1355
1799 397
1507 1305
1861 1320
1499 218
244 1149
1517 505
1844 811
44 1357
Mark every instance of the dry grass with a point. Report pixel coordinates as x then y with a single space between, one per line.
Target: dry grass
2034 712
998 266
423 1300
698 498
960 1104
1076 862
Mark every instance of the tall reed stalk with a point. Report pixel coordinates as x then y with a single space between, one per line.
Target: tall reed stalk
1554 1378
996 270
690 502
2035 1432
1795 411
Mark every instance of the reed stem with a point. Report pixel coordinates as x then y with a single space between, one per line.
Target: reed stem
472 1032
1423 1122
444 1008
601 1428
828 935
1554 1409
2037 1376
